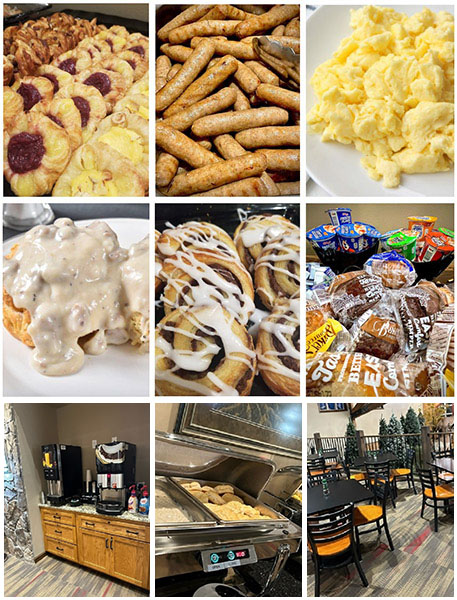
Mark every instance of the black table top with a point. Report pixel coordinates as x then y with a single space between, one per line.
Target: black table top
341 492
445 463
326 454
380 458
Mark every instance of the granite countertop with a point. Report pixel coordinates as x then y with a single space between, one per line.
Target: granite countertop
89 509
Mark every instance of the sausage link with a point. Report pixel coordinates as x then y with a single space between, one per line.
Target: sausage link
264 74
163 66
241 102
202 28
176 53
213 104
187 74
180 145
213 176
279 96
252 186
289 188
166 167
236 49
172 72
204 85
276 16
282 160
272 136
246 79
237 121
191 14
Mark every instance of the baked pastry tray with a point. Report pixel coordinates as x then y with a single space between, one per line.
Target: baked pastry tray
198 515
249 500
226 217
133 25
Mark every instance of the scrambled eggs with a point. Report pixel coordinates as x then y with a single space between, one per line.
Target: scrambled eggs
389 90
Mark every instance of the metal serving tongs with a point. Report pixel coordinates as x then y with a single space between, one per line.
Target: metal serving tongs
282 60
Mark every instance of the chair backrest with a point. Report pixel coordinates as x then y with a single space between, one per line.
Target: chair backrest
380 488
410 456
443 454
331 525
316 464
426 477
314 480
377 472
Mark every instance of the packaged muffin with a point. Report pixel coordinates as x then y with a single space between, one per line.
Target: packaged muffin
421 226
395 270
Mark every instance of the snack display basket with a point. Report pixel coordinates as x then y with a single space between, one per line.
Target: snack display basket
342 262
431 270
182 458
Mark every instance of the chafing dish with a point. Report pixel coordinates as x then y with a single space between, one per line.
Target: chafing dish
179 547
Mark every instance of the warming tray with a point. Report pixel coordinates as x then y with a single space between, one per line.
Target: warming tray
247 498
199 516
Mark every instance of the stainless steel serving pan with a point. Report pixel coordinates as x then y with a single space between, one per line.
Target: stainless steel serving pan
248 499
199 517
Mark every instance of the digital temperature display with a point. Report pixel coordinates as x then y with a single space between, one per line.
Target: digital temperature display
242 554
222 557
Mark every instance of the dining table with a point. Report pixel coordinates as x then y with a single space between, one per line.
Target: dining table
360 461
341 492
444 464
325 454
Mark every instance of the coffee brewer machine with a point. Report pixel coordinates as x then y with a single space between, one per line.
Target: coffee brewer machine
62 467
115 474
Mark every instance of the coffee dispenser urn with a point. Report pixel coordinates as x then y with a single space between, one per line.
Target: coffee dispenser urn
115 474
63 472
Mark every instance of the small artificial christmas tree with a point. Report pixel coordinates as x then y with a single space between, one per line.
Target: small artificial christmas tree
402 421
351 451
421 418
382 433
412 425
396 444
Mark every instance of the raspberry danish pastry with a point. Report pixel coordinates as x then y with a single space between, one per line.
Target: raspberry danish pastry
73 61
65 114
35 152
138 64
110 84
34 90
203 351
278 348
56 76
90 104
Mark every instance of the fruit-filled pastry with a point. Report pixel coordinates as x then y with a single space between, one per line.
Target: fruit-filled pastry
136 104
73 61
138 64
64 113
113 63
110 84
35 153
34 90
13 107
90 104
56 76
96 169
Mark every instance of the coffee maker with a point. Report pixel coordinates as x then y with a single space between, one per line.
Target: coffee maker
115 463
63 472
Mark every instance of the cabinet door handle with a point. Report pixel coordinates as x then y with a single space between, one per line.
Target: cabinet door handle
134 532
91 524
56 517
111 543
106 543
61 549
57 531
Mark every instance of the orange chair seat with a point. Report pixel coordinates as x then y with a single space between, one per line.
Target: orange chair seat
441 491
358 476
391 478
366 514
398 472
313 473
333 547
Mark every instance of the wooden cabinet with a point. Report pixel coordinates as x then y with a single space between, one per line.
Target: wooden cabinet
116 547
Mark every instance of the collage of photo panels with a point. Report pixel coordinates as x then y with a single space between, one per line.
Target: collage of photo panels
93 423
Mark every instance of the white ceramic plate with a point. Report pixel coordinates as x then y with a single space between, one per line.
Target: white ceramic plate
120 371
334 166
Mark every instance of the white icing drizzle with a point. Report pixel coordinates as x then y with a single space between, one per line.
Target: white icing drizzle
263 228
256 318
270 360
289 243
202 237
208 319
211 286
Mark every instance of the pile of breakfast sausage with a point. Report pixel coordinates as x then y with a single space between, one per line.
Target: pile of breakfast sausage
227 102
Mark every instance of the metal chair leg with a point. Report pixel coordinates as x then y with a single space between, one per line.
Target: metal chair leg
391 545
423 506
317 581
435 509
360 570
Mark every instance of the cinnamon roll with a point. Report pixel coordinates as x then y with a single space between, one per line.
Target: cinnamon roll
202 278
278 348
277 269
252 234
203 351
199 236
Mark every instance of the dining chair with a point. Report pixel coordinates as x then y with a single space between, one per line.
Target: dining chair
436 493
314 480
406 472
331 542
333 463
382 471
360 477
365 514
316 466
